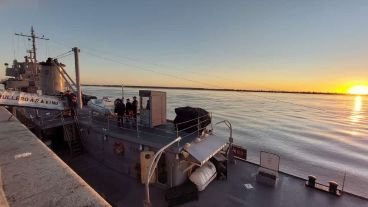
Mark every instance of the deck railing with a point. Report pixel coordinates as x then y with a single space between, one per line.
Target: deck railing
112 122
133 124
197 125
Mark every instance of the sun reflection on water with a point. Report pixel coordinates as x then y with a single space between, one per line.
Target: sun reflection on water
358 103
356 114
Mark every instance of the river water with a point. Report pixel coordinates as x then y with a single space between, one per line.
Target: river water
322 135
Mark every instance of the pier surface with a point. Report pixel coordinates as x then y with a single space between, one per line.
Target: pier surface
32 175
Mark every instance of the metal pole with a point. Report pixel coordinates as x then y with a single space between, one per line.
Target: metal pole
77 76
198 127
108 124
67 82
122 92
177 130
34 45
211 123
230 154
343 182
67 75
147 202
34 37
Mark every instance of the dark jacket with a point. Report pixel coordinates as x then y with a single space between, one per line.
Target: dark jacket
119 108
135 106
129 107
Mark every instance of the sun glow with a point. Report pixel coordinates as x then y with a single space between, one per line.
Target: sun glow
359 90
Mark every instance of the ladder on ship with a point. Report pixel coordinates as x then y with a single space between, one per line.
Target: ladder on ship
72 135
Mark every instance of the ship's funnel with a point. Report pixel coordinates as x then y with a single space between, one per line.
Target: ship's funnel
52 82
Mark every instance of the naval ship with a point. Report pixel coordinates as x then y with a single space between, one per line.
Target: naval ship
149 160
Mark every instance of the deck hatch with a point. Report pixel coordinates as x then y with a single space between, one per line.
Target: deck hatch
201 152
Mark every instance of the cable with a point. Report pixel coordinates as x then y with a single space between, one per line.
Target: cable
63 55
156 64
215 86
94 51
150 70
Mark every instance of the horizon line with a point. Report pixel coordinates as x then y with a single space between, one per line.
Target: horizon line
222 89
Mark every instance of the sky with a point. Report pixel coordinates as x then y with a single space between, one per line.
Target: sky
242 44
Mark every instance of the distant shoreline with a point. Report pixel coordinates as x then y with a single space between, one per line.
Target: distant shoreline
230 90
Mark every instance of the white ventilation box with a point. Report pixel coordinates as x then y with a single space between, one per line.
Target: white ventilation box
152 108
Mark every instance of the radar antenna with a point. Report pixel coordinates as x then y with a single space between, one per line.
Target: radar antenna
34 37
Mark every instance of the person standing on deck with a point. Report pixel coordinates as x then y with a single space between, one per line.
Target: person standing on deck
128 108
135 107
120 110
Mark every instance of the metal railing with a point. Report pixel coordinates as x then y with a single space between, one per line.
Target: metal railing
112 122
132 124
197 126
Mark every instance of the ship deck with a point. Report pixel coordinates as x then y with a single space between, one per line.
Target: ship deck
156 137
122 190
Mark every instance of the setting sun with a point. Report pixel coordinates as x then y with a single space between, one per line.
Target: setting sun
359 90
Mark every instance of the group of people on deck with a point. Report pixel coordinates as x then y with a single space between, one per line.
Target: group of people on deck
127 110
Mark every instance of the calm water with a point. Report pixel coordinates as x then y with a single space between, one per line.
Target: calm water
323 135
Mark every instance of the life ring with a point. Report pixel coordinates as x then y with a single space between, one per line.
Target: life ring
119 148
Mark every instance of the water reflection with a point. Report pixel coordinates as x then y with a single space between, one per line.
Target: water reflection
358 103
356 114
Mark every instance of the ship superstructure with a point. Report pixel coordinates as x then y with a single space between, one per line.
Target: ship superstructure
25 76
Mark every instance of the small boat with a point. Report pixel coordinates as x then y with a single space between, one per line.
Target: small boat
104 105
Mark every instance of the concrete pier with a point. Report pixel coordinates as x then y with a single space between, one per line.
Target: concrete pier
32 175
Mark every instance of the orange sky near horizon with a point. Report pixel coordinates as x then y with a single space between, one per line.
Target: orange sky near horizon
338 82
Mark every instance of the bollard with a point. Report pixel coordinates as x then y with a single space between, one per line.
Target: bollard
312 181
332 188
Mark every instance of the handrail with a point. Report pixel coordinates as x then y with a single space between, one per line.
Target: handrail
229 153
155 159
205 120
228 124
190 134
195 125
111 122
192 119
188 128
108 119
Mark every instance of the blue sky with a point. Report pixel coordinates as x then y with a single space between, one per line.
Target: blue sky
278 45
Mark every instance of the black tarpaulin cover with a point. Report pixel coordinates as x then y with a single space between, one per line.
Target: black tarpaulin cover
187 118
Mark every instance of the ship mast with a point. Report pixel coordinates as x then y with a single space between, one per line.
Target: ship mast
34 37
